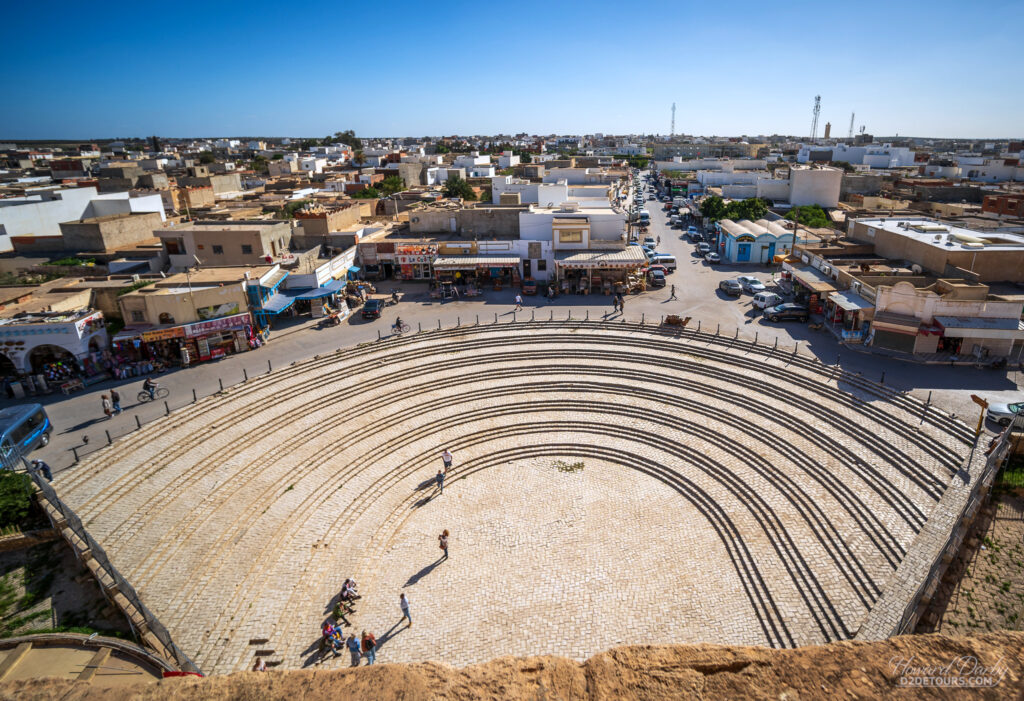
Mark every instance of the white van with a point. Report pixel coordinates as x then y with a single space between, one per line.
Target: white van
668 261
763 300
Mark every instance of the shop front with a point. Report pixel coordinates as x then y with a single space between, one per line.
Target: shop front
598 272
415 261
900 332
471 274
848 315
138 351
811 287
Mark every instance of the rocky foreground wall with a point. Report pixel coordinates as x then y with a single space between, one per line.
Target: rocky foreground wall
844 670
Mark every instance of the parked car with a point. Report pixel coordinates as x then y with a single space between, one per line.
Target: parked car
703 248
657 279
655 266
23 428
787 311
1003 414
649 241
763 300
730 287
712 257
751 284
373 308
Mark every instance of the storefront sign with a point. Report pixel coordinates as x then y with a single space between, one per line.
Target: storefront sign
204 327
163 334
410 260
217 311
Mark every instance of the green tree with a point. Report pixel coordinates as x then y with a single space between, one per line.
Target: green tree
457 187
277 157
288 212
359 158
392 184
847 168
524 156
308 143
15 497
809 215
506 171
207 157
713 208
349 138
441 148
259 164
368 193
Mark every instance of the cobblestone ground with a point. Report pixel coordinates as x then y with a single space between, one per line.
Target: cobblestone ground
727 495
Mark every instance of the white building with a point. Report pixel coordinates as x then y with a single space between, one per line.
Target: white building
547 194
227 143
41 214
872 155
471 161
580 176
507 159
312 165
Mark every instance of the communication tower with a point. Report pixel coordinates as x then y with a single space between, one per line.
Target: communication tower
814 122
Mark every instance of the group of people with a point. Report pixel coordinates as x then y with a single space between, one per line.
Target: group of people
332 633
619 303
111 401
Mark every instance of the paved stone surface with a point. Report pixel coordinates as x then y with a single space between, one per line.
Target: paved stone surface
728 494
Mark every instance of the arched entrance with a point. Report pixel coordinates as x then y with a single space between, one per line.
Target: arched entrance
7 366
54 362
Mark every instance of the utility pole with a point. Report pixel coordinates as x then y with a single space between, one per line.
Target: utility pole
672 133
852 115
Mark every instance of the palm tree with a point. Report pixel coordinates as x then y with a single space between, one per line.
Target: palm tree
359 158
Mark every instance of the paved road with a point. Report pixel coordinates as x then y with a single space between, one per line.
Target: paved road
696 285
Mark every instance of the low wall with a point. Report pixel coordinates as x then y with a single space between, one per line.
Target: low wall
26 539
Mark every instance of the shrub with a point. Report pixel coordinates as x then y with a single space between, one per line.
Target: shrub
15 497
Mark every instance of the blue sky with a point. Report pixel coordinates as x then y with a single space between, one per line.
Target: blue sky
93 70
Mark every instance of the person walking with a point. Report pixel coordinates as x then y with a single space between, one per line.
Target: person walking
353 649
442 542
440 481
115 399
446 458
622 305
107 407
673 294
403 603
519 302
369 648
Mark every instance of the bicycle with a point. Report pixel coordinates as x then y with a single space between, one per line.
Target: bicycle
395 328
159 393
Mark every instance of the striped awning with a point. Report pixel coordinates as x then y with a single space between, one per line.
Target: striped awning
473 262
631 257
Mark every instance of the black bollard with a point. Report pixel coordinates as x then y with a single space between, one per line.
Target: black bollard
245 375
109 439
167 408
194 398
268 365
221 382
138 423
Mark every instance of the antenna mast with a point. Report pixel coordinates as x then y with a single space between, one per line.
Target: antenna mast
673 132
814 122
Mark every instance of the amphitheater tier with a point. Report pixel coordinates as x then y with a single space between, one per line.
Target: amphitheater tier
612 484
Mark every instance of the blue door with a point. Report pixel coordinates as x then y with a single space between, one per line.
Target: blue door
743 252
771 253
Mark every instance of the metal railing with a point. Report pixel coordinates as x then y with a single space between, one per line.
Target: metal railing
111 582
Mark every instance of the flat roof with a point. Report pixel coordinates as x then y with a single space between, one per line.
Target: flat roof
946 236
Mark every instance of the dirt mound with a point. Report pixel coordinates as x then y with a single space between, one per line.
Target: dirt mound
854 670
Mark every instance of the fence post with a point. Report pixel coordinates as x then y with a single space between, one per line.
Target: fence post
698 325
378 334
74 450
531 315
642 318
194 398
929 399
513 317
245 375
552 315
269 368
477 319
458 321
438 324
587 318
167 408
138 423
109 439
719 328
419 327
882 381
495 317
756 334
221 382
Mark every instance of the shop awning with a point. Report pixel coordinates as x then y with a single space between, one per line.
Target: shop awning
849 301
813 280
980 327
281 301
127 334
354 268
631 257
331 288
899 323
474 262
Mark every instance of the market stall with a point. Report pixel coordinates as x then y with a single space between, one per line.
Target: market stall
474 273
600 272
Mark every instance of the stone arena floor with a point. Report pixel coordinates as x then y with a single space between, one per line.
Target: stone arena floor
611 485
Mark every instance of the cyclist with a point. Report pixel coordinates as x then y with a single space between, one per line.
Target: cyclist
397 328
150 386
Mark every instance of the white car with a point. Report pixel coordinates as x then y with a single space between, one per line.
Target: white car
649 241
750 284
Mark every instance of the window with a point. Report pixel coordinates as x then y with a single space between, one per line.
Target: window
218 250
542 264
138 316
166 318
570 237
246 248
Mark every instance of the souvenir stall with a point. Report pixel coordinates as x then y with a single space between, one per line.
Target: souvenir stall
414 261
471 274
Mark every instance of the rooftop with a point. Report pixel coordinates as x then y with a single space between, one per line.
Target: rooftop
946 236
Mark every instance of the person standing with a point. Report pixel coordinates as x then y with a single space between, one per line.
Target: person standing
353 648
446 458
403 602
439 478
44 468
107 408
519 302
442 542
115 399
673 294
369 648
622 305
